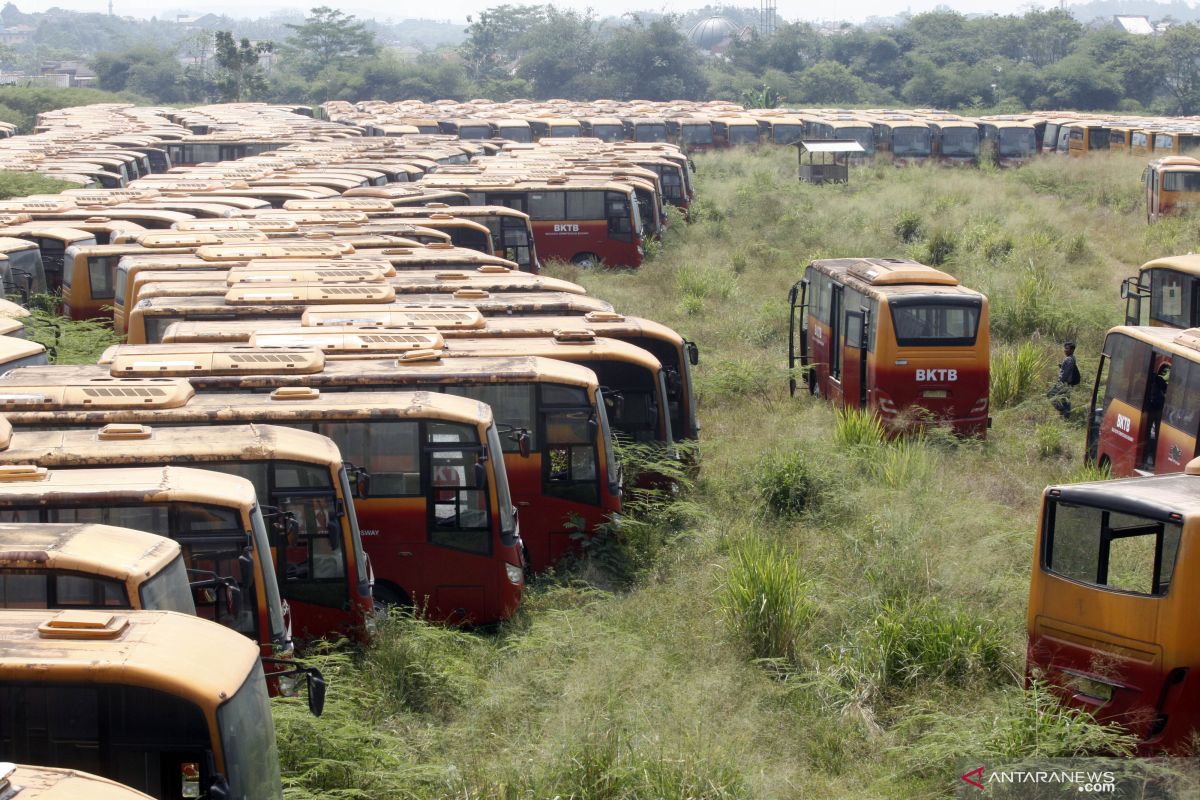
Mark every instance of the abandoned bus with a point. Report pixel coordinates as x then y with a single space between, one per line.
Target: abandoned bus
1171 186
215 518
555 432
1009 143
1145 416
21 268
52 242
1086 138
897 337
584 220
202 726
85 565
434 504
298 476
511 230
1112 604
16 352
1172 285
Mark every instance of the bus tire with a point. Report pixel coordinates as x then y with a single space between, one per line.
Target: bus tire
585 260
388 596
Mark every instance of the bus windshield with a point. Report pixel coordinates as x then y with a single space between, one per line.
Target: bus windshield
743 134
787 134
910 141
508 519
696 134
1110 549
169 590
1017 142
960 141
924 322
248 741
263 545
27 266
1181 182
610 445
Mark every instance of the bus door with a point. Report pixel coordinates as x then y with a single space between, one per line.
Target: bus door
514 243
1151 194
854 359
798 301
836 385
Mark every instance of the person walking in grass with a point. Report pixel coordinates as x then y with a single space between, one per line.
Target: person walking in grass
1068 379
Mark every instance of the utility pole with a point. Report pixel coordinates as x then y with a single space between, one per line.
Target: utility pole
766 18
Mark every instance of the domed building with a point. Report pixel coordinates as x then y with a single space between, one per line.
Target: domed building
713 34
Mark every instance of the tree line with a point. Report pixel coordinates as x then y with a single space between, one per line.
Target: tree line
1040 59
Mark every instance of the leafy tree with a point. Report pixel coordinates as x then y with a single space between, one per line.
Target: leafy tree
831 83
1181 67
1079 82
793 47
144 70
239 75
652 62
559 54
497 37
1049 36
328 38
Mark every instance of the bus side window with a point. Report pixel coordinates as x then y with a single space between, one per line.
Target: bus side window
23 590
457 498
1169 300
388 450
1182 410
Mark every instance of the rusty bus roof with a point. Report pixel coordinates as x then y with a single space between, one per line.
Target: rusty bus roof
185 656
14 310
139 444
182 360
488 278
13 348
882 277
400 372
51 783
109 485
104 550
21 390
1158 495
277 407
46 230
443 318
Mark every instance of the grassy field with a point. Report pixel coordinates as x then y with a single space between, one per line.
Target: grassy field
822 614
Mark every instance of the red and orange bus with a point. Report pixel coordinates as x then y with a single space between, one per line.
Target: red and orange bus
584 220
896 337
1112 604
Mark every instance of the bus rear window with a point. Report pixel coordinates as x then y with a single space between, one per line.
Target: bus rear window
1110 549
926 324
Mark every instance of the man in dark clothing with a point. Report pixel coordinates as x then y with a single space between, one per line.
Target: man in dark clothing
1068 378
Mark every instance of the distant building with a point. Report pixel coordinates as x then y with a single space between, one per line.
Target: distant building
15 34
1137 25
67 73
713 35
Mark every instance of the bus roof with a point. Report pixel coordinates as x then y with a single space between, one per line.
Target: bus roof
888 276
119 444
13 348
1155 496
105 550
52 783
115 393
283 404
185 656
419 370
181 360
486 302
1189 263
135 484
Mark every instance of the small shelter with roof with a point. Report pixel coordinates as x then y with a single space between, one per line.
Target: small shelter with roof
827 159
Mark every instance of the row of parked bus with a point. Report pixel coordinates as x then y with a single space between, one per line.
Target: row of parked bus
323 405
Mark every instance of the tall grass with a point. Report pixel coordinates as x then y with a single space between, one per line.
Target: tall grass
855 428
766 601
1016 373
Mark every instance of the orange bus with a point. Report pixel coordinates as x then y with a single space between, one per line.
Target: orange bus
552 416
897 337
24 782
1112 604
437 516
1172 287
1171 185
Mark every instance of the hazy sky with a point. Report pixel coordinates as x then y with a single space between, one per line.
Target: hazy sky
457 10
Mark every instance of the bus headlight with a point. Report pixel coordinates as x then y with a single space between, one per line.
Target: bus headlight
516 575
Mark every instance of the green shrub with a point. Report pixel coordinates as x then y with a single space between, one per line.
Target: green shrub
788 483
765 600
939 248
1016 373
908 227
856 428
907 461
926 641
1050 440
422 666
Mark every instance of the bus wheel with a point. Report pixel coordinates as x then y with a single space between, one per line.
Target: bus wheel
387 596
585 260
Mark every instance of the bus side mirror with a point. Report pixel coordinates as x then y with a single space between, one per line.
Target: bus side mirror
524 442
480 473
316 691
246 567
693 353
